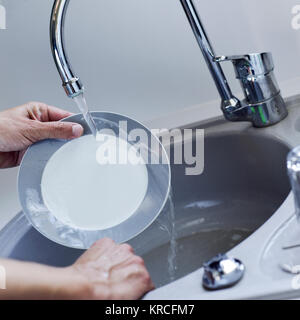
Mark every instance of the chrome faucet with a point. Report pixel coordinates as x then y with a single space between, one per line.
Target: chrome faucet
71 83
263 104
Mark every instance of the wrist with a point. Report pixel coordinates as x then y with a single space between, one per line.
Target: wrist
71 285
37 282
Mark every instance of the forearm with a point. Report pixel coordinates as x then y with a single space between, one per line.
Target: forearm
34 281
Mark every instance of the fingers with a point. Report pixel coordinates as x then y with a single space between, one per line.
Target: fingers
122 256
38 121
56 130
44 122
45 113
56 114
106 249
116 267
104 243
101 248
132 282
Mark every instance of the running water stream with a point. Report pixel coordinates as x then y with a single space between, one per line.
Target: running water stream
167 223
83 107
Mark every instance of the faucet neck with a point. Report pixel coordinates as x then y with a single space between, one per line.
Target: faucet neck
72 85
207 50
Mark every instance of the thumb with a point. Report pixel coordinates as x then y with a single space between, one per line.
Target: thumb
59 130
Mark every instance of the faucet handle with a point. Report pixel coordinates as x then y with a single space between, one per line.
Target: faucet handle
293 165
256 76
231 58
252 64
255 72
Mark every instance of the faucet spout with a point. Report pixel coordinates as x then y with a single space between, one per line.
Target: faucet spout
72 84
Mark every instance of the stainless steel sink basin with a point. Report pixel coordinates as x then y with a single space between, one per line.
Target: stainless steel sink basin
243 183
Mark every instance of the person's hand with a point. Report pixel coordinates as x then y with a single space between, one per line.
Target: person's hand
112 271
107 271
24 125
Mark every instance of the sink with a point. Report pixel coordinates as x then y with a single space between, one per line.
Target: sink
244 182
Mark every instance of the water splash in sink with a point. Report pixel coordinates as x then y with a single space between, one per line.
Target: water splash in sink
172 255
167 223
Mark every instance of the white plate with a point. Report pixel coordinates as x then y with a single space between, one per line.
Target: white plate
48 223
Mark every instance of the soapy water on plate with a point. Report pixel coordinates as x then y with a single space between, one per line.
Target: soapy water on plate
83 189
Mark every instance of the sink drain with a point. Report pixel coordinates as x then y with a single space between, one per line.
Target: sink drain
222 272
